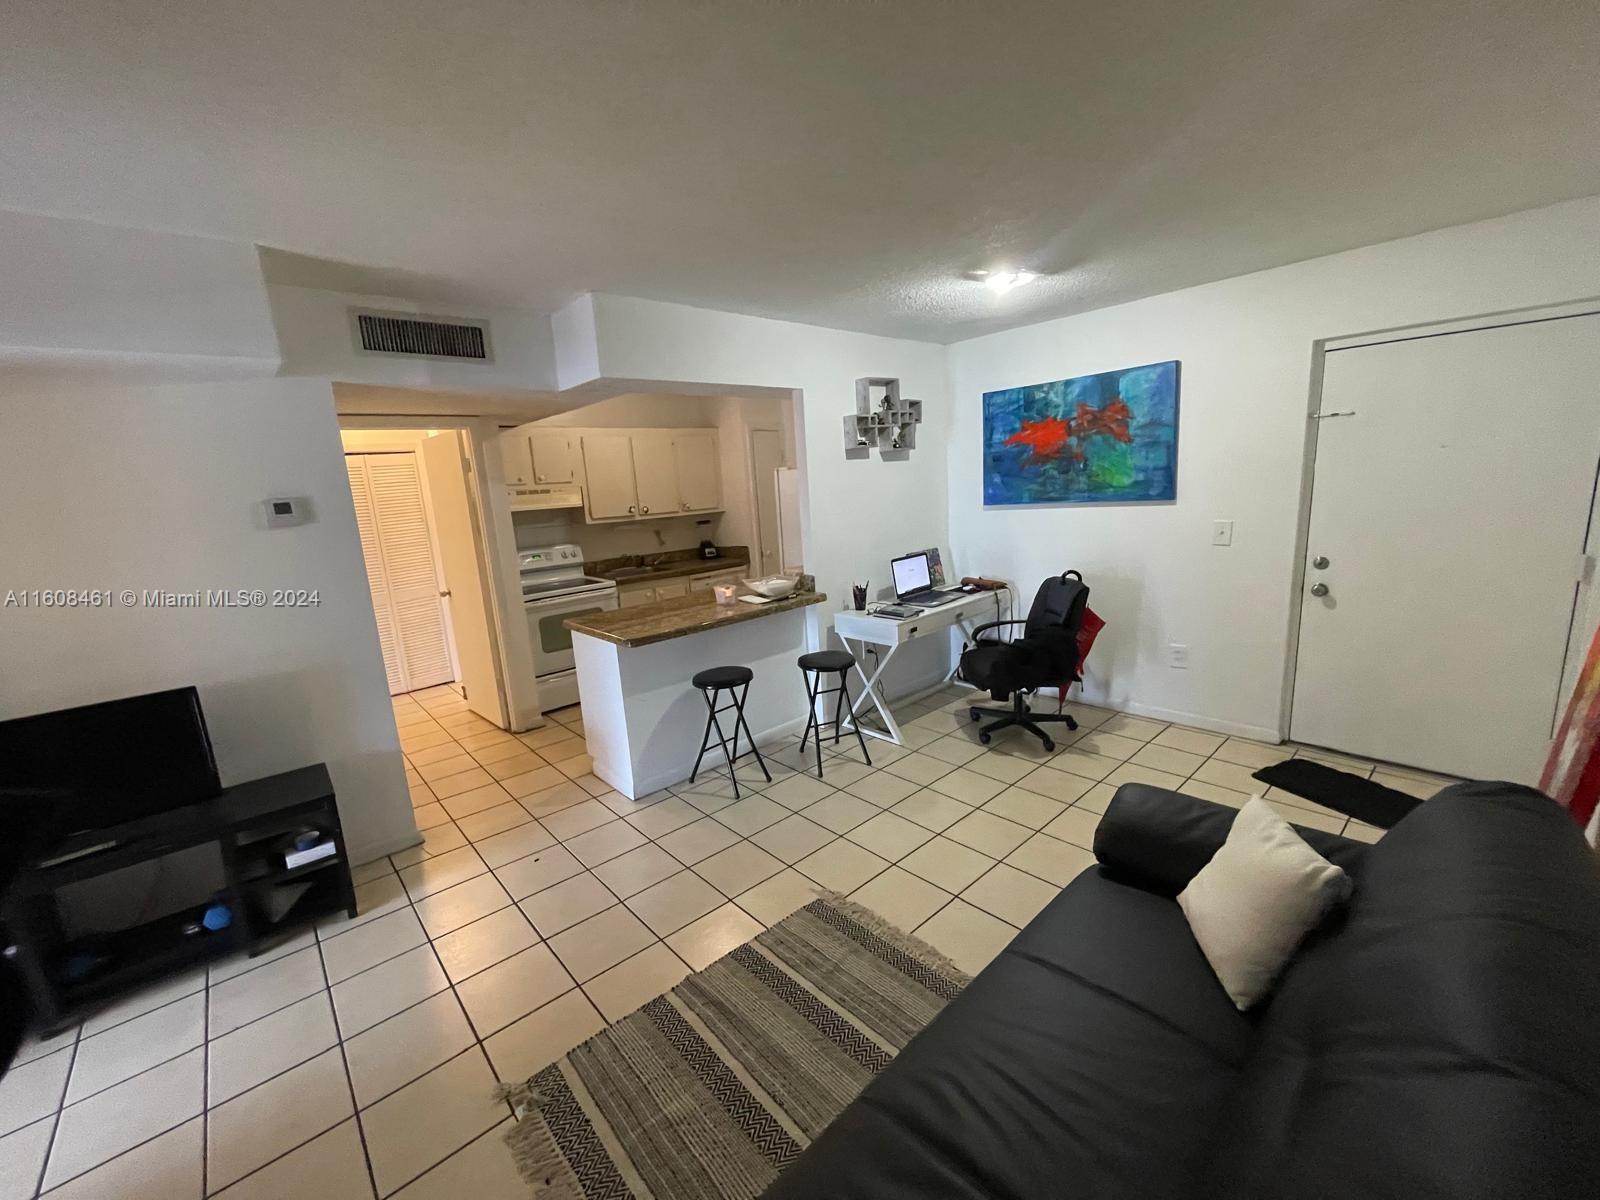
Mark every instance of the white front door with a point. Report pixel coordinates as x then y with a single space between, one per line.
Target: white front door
1449 516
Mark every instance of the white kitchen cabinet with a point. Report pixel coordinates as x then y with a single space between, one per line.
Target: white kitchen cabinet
630 595
654 473
516 461
553 457
697 467
641 474
609 492
704 583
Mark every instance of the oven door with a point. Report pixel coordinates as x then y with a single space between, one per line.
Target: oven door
551 639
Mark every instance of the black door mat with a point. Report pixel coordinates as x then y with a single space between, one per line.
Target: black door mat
1339 790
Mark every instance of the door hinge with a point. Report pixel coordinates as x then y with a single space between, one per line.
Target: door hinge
1585 568
1349 412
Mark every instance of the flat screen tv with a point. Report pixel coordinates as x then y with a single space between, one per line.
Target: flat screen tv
115 761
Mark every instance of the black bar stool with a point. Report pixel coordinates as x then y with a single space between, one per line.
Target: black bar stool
712 682
812 668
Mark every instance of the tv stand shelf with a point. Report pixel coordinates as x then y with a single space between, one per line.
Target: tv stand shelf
243 822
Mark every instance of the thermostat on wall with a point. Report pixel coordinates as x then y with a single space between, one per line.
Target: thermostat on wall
283 511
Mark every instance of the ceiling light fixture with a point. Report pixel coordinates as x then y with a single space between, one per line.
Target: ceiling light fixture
1002 280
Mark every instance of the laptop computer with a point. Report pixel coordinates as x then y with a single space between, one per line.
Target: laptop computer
913 582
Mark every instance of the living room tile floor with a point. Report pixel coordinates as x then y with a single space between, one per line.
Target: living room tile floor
360 1058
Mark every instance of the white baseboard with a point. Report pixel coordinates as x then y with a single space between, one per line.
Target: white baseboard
1258 733
363 854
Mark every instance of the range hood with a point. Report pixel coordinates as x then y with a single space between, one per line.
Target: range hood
535 497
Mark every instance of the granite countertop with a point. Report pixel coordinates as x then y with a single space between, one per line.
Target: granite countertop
633 568
680 617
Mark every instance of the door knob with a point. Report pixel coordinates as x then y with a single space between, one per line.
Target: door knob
1319 589
644 508
1320 562
446 592
631 508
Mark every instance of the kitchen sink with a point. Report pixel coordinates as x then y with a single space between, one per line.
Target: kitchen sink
630 572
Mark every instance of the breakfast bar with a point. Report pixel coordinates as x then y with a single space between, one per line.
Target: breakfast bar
642 717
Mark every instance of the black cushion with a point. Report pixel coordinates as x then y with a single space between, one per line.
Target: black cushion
1442 1044
1087 1061
715 677
1159 840
1437 1041
827 660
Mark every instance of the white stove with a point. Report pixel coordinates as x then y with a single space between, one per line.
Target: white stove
551 571
554 588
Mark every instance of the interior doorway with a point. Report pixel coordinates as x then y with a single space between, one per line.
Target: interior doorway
423 540
404 576
1446 556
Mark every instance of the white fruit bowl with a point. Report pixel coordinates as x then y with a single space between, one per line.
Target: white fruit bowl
773 587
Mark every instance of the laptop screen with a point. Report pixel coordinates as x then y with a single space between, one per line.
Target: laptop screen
910 574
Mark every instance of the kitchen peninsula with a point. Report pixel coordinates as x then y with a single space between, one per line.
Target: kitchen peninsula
642 717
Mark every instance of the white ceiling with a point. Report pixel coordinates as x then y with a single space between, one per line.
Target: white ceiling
839 162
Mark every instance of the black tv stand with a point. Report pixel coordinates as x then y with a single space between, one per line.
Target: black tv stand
67 977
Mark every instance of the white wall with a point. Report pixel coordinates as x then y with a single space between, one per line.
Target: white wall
637 410
1247 347
130 300
859 513
159 488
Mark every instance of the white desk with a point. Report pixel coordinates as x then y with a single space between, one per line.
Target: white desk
857 630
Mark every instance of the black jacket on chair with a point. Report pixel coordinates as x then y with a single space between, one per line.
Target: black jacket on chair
1047 652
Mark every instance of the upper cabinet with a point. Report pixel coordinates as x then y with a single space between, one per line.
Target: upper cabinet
610 493
697 467
554 456
653 472
627 474
516 460
642 474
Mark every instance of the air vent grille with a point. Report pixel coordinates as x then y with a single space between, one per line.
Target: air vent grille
428 337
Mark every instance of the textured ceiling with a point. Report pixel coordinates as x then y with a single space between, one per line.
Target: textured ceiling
839 162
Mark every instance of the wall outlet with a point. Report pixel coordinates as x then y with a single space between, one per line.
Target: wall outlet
1222 533
1178 656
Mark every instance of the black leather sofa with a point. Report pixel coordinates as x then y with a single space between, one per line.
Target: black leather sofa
1439 1038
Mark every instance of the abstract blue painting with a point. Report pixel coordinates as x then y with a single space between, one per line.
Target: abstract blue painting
1096 439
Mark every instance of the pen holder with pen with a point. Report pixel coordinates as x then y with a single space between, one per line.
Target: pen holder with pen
858 593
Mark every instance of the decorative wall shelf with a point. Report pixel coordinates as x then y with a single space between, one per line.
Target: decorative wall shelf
883 421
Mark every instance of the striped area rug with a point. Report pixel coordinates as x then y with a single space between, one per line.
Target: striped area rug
710 1091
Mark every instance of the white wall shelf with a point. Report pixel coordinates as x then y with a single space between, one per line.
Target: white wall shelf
883 420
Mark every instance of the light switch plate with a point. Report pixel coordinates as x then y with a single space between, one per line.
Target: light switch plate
1178 656
1222 533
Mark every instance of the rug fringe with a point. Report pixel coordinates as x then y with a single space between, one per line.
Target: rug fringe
895 936
534 1148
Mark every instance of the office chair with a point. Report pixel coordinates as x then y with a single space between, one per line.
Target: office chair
1046 654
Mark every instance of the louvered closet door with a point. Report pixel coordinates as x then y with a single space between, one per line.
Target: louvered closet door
410 574
377 583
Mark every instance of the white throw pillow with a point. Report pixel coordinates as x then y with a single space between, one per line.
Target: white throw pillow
1260 894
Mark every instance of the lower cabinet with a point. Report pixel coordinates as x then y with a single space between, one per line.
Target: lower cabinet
704 583
631 595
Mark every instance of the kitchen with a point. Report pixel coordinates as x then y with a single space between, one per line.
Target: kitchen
641 499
